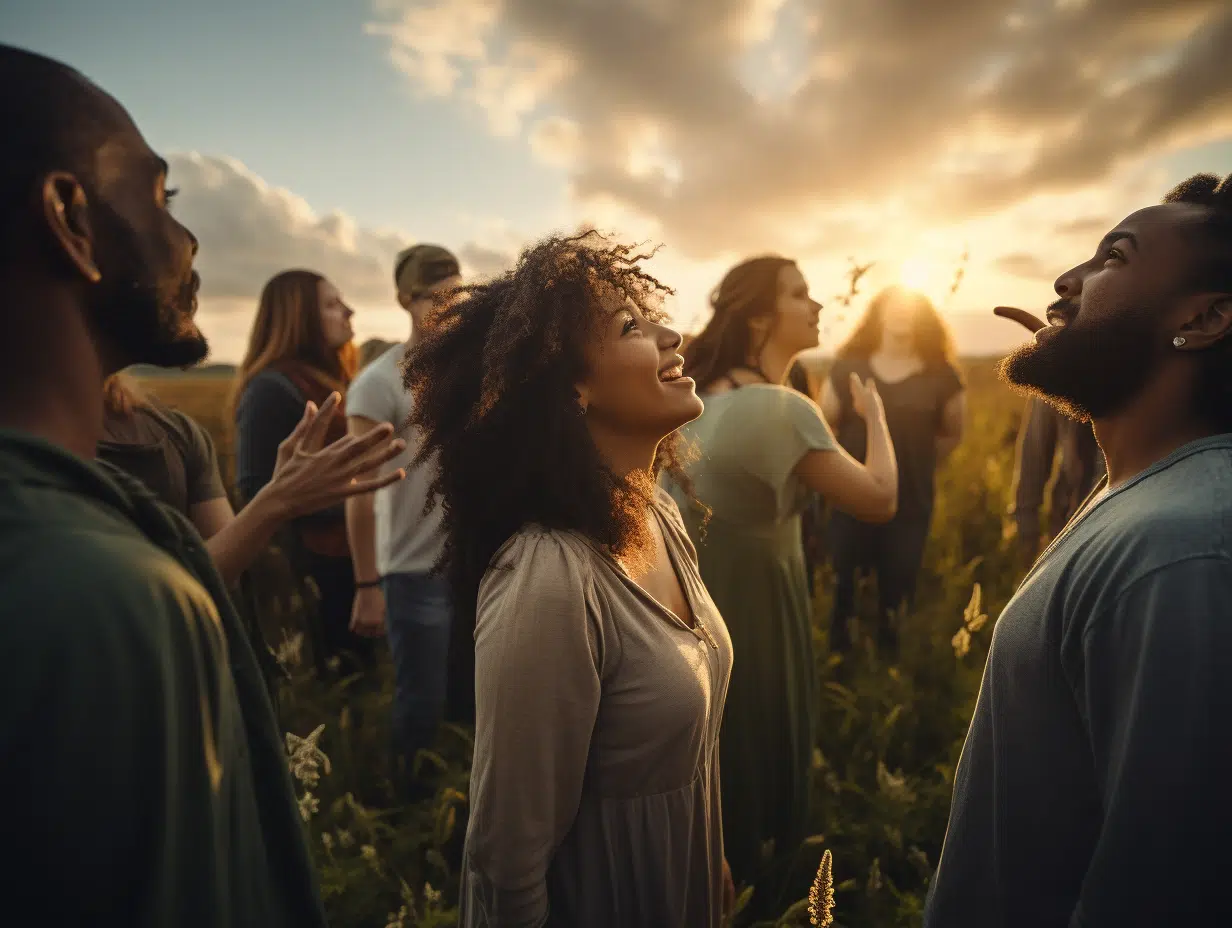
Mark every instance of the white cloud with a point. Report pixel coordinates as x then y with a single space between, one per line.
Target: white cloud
250 230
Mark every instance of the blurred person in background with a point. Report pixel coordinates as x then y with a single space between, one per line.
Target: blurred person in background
902 345
169 452
762 450
397 538
1048 439
301 351
146 771
551 396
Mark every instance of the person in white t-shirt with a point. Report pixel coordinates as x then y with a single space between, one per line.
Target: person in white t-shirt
396 536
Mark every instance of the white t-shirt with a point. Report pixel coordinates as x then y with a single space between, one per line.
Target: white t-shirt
408 540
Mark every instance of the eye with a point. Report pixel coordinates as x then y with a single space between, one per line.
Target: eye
629 326
169 195
1114 254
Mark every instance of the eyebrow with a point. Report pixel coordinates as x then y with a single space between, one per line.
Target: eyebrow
1117 235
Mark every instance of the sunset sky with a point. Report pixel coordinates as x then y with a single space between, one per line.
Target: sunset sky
329 133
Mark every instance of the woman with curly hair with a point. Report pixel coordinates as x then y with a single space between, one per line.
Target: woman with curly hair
903 346
552 396
764 449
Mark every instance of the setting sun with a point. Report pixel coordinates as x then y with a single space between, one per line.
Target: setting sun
920 274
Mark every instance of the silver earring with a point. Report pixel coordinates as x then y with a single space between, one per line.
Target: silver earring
1178 342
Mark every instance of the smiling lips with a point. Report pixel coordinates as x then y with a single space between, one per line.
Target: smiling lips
673 371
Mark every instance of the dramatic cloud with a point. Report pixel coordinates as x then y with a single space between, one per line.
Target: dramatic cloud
740 125
250 230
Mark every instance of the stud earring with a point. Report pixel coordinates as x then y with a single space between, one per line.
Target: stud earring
1178 342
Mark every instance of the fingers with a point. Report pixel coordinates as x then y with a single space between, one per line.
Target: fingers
1029 321
359 487
297 433
314 433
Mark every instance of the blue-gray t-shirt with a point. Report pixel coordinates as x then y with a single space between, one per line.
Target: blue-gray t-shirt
1095 784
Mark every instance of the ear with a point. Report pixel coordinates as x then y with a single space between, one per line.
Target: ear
1212 322
67 214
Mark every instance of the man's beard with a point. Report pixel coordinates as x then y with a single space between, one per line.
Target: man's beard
1087 371
145 320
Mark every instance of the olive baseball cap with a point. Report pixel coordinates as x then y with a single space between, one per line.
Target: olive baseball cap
421 267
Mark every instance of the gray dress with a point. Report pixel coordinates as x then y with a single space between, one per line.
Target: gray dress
595 787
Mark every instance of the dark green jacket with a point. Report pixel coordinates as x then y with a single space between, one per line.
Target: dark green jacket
140 760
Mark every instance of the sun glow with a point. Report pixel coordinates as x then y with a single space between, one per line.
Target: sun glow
929 277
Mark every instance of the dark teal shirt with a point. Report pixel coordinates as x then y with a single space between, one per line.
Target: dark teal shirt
1095 784
141 764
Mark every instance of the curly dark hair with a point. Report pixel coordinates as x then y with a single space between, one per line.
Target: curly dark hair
1212 271
493 382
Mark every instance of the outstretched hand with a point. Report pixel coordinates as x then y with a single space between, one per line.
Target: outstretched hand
310 475
865 399
1029 321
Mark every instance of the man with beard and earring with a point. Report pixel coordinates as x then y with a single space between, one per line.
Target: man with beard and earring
1092 788
147 771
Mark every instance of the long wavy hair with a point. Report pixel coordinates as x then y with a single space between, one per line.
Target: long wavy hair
749 291
288 327
493 380
932 339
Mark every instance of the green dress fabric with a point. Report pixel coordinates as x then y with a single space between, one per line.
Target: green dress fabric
746 446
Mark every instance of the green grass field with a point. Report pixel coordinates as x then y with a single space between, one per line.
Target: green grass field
889 739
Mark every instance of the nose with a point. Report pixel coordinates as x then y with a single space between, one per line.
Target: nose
1069 285
669 338
818 306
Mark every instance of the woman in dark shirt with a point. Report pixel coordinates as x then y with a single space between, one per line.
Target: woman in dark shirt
300 351
904 346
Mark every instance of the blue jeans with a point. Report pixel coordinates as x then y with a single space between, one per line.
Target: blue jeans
417 620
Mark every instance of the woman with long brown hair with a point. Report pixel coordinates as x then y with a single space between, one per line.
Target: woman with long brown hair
763 448
904 347
301 351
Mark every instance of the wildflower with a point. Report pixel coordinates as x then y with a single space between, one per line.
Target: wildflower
305 758
290 651
368 853
821 893
961 642
431 896
874 876
973 616
345 838
328 840
398 919
309 806
894 785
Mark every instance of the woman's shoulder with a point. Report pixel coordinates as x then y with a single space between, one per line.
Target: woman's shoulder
551 551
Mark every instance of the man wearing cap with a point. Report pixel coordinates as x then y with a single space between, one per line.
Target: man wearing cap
396 537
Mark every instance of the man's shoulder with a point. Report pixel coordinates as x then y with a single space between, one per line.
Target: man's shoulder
71 575
380 381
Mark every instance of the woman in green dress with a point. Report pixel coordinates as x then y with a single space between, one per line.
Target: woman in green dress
761 448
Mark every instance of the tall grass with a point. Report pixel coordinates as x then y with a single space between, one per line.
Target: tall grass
889 739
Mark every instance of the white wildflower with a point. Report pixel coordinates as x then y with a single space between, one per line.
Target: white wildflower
305 759
309 806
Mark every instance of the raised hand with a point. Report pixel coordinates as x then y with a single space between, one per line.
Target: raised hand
1029 321
865 399
310 476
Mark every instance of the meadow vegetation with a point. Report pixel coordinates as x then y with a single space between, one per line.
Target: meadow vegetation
889 740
